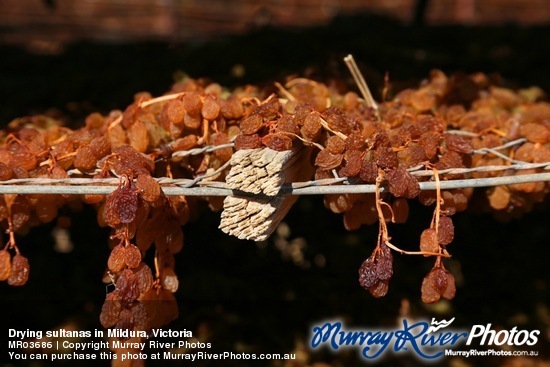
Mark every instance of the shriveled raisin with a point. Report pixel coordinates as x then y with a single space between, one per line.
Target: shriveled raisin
338 121
327 160
446 230
231 108
429 293
210 107
24 159
269 109
139 313
335 145
458 143
5 172
277 141
172 113
192 103
380 289
428 241
450 290
385 157
144 277
219 139
148 187
110 310
251 124
5 265
367 273
247 142
132 256
85 159
129 115
430 142
536 133
116 262
169 280
121 206
185 143
369 170
138 136
338 203
100 147
127 286
20 269
384 264
129 162
353 162
125 320
286 124
402 184
20 212
311 128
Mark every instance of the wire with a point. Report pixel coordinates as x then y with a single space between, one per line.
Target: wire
88 186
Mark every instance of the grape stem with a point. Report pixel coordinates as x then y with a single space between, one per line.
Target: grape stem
383 237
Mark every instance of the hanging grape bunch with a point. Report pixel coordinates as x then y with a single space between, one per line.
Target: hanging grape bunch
449 128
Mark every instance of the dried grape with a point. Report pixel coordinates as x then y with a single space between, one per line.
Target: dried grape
125 320
458 144
110 310
277 141
138 137
353 162
536 133
247 142
369 170
148 187
210 107
311 128
5 172
429 241
335 145
326 160
429 293
144 277
100 147
127 286
385 157
121 206
251 124
116 259
367 273
139 313
445 231
85 160
169 280
5 265
402 183
132 256
20 269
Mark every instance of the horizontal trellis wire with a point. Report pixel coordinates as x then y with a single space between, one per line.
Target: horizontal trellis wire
89 186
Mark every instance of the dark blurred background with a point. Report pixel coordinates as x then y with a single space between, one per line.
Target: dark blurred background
71 58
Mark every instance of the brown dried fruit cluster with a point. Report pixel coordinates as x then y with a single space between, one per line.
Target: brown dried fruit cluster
15 270
438 283
376 271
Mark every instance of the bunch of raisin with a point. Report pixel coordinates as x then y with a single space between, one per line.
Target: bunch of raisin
376 271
